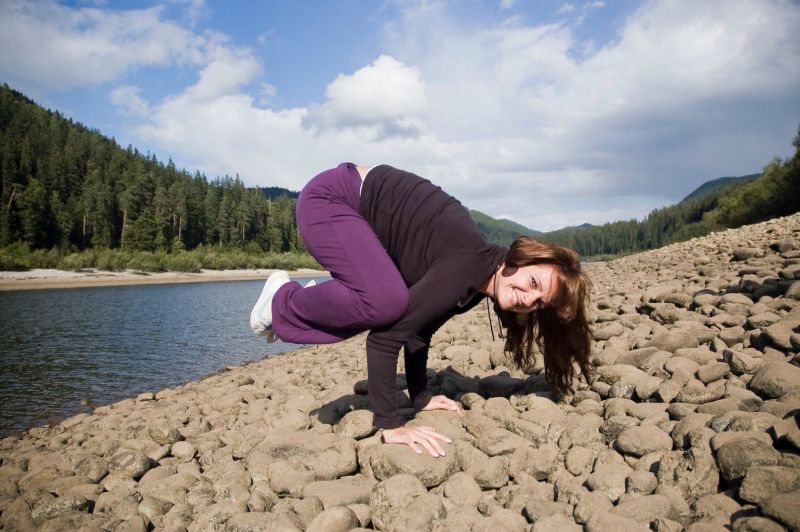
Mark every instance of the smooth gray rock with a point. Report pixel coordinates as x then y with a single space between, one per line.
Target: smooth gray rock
604 522
717 508
737 456
609 480
559 522
325 456
713 371
783 508
462 490
644 439
336 519
645 509
390 460
129 464
672 341
780 333
341 492
762 482
775 380
356 424
164 434
756 524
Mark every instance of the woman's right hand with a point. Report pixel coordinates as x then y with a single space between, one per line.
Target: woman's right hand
417 438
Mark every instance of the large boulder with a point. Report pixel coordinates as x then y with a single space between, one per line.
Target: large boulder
341 492
642 440
401 502
783 508
693 472
775 380
737 456
390 460
762 482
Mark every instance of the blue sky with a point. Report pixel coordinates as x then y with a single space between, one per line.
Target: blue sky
550 113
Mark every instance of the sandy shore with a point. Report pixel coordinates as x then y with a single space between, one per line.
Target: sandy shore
46 278
689 422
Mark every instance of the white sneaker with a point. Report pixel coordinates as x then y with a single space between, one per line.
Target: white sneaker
261 315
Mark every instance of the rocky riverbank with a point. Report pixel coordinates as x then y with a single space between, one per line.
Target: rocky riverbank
690 422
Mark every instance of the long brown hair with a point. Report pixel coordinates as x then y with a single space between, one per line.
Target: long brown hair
561 329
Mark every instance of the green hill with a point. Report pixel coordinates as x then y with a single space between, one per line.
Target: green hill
499 231
716 185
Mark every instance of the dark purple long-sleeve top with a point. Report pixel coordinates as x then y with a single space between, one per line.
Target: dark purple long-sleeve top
443 259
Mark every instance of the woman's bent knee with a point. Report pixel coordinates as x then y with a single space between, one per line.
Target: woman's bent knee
387 306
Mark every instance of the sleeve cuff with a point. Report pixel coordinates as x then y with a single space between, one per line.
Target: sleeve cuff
387 422
422 400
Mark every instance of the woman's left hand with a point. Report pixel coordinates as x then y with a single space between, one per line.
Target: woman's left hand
441 402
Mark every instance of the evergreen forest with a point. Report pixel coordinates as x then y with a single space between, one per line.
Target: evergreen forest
73 198
66 189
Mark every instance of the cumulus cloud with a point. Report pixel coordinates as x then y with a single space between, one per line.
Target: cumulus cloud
57 47
385 94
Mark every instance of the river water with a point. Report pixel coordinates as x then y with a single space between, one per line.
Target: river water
68 350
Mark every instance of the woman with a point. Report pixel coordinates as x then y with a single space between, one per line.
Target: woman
405 257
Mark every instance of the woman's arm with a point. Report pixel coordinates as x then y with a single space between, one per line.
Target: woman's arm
431 300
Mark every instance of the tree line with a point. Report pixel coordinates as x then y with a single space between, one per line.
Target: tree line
68 187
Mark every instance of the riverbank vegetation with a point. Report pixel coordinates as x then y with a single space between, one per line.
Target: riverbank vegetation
20 257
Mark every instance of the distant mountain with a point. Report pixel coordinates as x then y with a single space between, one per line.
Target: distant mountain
500 231
716 185
578 227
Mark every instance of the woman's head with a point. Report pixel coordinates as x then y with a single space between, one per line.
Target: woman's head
550 310
526 288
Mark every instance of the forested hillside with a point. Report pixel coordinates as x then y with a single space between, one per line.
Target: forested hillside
499 230
717 204
63 185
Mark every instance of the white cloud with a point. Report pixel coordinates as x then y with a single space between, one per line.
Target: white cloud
507 4
126 98
57 47
386 93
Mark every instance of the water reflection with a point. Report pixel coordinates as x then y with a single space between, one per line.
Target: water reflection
64 351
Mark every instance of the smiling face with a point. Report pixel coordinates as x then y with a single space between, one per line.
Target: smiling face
529 288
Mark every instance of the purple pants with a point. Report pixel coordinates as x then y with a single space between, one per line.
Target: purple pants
366 289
